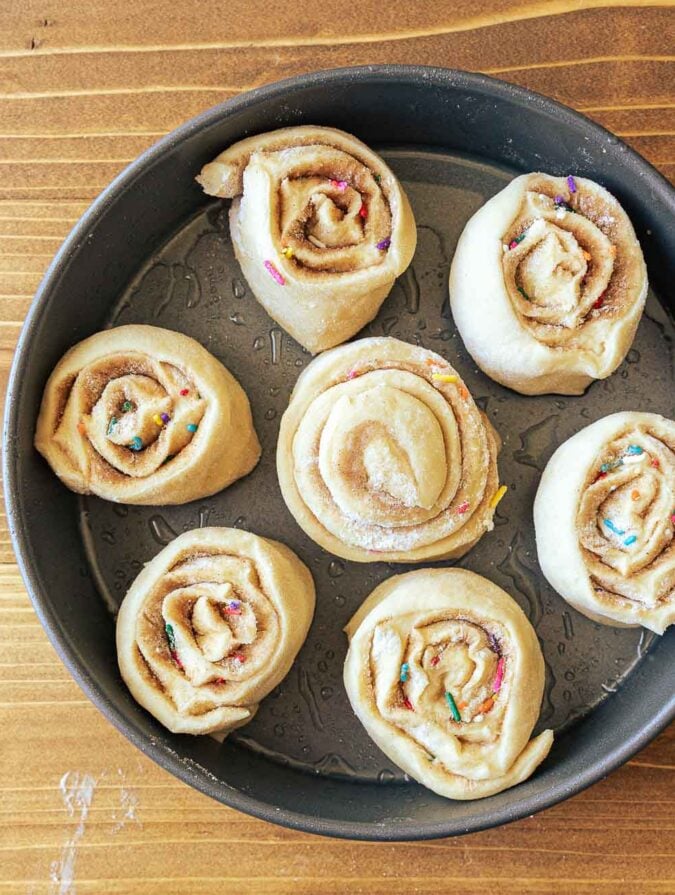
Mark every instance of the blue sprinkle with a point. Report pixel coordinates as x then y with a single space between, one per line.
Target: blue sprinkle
612 527
136 443
605 467
192 427
631 540
111 425
405 668
635 449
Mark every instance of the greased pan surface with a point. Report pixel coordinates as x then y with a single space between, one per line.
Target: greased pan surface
153 249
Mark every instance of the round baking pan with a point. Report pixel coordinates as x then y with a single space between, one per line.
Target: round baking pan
154 249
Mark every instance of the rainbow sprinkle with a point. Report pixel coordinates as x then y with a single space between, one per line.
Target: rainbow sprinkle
462 508
111 425
517 240
384 244
363 211
450 699
498 496
274 273
634 449
408 704
165 417
234 608
136 443
185 391
631 540
157 419
127 406
435 660
377 178
192 427
486 706
170 636
635 494
612 527
339 185
523 293
81 428
405 671
287 252
444 377
655 462
672 518
571 184
499 675
239 658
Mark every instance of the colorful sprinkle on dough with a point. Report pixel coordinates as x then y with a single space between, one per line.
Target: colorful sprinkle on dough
499 675
498 496
81 428
634 449
274 273
635 494
405 670
655 462
444 377
462 508
111 425
450 699
612 527
157 419
339 185
486 706
363 211
630 540
192 427
384 244
408 704
463 392
136 443
287 252
165 417
571 184
435 660
239 658
127 406
185 391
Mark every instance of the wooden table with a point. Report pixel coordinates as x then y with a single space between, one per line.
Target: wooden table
84 88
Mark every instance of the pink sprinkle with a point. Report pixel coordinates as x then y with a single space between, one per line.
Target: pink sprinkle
352 374
408 704
363 211
513 244
435 661
238 657
339 185
499 676
185 391
274 273
174 656
672 518
462 508
571 184
229 611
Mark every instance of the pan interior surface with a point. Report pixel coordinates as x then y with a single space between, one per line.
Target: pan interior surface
158 252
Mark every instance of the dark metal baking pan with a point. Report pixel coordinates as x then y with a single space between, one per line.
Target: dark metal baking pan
153 249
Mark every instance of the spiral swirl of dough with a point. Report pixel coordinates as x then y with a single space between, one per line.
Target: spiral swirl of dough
445 673
142 415
320 226
210 626
553 266
383 455
605 520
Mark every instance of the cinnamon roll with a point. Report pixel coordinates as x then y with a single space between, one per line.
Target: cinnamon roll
446 674
604 517
142 415
320 225
384 456
548 284
210 626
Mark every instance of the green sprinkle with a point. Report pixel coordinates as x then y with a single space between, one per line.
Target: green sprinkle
171 637
523 293
136 443
127 406
377 178
112 424
453 707
192 427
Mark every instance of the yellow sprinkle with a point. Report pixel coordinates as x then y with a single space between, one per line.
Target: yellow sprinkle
498 496
287 252
443 377
157 419
587 256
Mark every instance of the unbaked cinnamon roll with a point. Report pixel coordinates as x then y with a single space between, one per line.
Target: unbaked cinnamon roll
384 456
604 517
548 284
210 626
142 415
446 674
320 225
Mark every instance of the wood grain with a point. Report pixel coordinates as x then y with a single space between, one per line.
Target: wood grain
86 87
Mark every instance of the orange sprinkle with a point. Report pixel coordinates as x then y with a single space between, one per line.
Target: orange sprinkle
463 393
587 255
635 495
462 705
81 428
486 706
